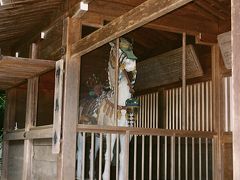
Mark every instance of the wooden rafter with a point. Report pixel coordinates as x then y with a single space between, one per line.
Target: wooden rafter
139 16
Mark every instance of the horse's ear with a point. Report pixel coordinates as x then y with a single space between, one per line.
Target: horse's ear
111 44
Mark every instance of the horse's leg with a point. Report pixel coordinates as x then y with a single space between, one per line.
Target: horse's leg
79 155
122 158
109 151
96 148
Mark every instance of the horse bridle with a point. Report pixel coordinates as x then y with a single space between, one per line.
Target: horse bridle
121 57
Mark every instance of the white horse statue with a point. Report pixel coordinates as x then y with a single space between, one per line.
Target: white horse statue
100 110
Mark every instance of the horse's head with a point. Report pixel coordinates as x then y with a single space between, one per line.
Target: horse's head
127 59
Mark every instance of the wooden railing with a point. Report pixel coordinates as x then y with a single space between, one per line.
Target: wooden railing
153 153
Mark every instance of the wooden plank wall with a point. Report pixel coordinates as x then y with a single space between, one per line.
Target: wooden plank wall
44 163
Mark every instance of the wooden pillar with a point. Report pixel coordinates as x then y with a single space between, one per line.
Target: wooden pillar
31 116
71 101
218 125
8 125
236 87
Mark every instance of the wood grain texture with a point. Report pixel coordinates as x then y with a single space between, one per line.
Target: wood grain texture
71 101
139 16
236 86
57 115
14 71
166 68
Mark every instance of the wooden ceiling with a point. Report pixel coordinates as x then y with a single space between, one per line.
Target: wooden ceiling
14 71
23 18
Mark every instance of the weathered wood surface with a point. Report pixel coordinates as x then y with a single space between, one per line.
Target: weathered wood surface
224 41
236 86
217 120
44 162
14 71
31 117
9 120
57 115
137 17
40 132
71 101
167 68
15 160
144 131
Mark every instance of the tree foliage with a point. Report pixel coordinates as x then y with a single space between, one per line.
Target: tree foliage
2 107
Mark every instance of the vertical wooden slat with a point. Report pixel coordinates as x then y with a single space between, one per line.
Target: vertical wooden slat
184 81
151 110
170 109
146 112
167 109
211 107
31 116
187 108
186 158
203 106
231 105
158 156
9 120
193 159
154 111
207 106
206 166
126 156
177 110
173 109
179 158
173 141
83 155
199 107
157 110
140 112
180 108
71 101
143 148
117 156
92 157
150 157
200 158
165 158
100 156
57 113
191 107
195 107
135 158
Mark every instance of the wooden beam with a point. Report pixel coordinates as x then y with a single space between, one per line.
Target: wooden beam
143 131
40 132
137 17
71 101
31 116
236 86
218 125
8 124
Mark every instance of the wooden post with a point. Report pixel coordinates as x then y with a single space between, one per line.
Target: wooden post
218 125
31 116
8 124
236 86
183 81
71 102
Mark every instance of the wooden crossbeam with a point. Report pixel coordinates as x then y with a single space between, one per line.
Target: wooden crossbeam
137 17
